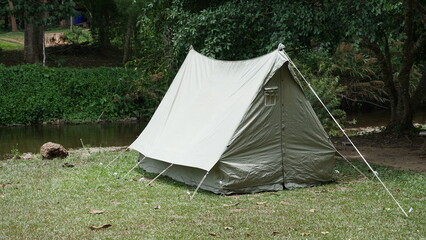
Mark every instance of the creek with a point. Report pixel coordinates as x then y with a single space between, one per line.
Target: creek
30 138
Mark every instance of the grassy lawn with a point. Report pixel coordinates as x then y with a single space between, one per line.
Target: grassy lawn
41 199
6 45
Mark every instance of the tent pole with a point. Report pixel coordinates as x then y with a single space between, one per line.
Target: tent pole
202 180
344 133
159 174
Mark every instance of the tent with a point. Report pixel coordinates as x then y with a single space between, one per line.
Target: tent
237 127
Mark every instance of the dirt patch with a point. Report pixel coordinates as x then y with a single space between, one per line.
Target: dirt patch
405 153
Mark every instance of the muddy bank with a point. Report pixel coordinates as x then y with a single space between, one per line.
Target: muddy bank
404 153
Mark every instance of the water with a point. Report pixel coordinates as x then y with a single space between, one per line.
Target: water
30 138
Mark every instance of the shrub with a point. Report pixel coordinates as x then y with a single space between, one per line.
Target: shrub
32 94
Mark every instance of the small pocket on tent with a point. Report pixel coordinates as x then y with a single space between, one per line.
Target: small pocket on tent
271 95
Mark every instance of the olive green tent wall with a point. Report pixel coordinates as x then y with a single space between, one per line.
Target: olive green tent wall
274 147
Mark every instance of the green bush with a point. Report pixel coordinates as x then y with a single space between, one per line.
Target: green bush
316 68
33 94
77 35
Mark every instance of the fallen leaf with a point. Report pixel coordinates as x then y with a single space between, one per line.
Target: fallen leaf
401 224
321 191
231 205
96 211
312 210
1 196
100 227
229 228
275 233
157 207
5 184
324 233
214 235
305 234
261 203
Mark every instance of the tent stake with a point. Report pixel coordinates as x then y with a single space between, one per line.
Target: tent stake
159 174
202 180
344 133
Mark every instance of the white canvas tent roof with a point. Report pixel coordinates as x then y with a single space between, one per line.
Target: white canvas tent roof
203 107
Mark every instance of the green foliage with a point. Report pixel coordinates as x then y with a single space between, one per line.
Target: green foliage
77 35
316 69
30 11
33 94
245 29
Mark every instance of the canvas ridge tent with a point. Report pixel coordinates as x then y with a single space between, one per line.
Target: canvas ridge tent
238 127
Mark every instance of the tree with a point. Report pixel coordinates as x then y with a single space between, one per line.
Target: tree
395 32
36 14
14 26
102 16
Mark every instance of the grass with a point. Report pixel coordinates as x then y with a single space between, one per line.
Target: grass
41 199
6 45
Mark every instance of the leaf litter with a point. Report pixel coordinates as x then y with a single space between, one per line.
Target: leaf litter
100 226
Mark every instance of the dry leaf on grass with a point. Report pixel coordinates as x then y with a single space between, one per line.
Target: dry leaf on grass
261 203
311 210
401 224
157 207
100 227
321 191
231 205
324 233
275 233
5 184
1 196
229 228
305 234
96 211
214 235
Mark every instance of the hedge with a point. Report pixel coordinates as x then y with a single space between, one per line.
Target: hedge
33 94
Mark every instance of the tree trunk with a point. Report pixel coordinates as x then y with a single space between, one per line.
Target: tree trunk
127 40
104 33
12 17
33 43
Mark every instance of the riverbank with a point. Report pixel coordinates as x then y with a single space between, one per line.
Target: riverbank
403 153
